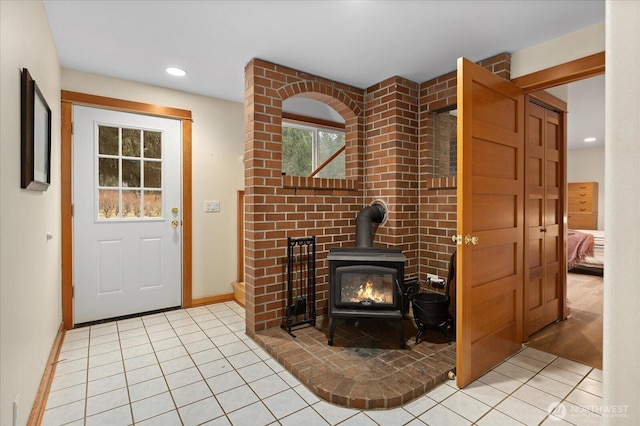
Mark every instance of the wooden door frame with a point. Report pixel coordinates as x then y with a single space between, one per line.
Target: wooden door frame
240 236
68 100
533 85
579 69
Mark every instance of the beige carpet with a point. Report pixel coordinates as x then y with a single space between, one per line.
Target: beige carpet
579 338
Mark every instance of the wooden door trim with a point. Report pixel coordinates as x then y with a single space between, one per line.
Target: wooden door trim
68 99
549 101
103 102
579 69
240 236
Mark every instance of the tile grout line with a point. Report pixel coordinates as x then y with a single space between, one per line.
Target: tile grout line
124 368
193 318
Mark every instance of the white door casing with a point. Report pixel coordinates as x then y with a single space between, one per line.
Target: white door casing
126 219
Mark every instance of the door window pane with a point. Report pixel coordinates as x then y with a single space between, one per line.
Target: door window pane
152 144
131 142
108 172
108 203
152 203
108 140
131 173
152 174
131 204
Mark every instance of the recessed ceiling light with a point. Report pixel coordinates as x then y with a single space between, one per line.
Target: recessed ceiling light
178 72
589 139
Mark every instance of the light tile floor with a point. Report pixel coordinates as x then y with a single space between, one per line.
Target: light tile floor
196 366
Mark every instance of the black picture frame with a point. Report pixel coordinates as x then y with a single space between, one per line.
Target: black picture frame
36 136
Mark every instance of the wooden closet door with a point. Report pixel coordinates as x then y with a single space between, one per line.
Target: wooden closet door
545 265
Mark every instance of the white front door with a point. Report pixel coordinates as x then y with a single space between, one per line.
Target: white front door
127 240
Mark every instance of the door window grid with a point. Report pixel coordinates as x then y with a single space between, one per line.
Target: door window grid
129 173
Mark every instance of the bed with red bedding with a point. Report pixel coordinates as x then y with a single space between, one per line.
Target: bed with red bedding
585 251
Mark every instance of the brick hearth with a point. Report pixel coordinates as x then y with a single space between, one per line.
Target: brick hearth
365 368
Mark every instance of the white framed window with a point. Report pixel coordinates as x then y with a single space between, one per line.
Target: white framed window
310 150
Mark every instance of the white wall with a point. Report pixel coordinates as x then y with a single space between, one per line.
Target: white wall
621 353
587 165
578 44
30 274
218 171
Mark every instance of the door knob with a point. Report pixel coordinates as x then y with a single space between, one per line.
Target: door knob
174 223
468 239
457 239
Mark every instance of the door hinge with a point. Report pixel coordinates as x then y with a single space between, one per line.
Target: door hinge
73 291
72 127
71 210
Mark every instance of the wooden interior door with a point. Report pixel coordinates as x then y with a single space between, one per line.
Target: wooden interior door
545 261
490 208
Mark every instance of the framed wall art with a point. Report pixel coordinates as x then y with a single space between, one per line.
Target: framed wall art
36 136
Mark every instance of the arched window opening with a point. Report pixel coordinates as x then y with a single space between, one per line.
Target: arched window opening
313 139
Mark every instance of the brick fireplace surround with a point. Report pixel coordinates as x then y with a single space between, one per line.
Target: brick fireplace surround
389 157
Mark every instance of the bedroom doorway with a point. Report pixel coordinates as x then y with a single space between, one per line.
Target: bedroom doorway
580 337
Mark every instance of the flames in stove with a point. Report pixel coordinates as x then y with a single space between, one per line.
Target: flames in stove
368 294
366 289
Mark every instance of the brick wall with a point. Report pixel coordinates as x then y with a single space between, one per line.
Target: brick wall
438 216
389 157
276 206
391 166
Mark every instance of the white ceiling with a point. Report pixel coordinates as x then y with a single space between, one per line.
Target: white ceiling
359 43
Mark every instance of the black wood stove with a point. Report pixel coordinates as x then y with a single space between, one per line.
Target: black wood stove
365 283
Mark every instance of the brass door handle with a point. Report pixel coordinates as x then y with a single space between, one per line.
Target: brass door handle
174 223
468 239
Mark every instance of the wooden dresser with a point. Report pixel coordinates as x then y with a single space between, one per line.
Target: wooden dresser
583 205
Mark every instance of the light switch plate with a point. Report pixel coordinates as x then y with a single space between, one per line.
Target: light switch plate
212 206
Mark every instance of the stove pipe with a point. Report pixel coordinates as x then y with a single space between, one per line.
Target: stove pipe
364 223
